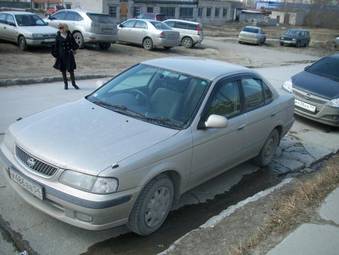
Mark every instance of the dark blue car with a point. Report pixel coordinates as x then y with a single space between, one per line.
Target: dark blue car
316 91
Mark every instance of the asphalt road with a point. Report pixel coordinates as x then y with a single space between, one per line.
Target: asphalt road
45 235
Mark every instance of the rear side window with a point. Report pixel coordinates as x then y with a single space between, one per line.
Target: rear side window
2 18
184 25
101 18
160 25
140 24
170 23
253 93
73 16
129 23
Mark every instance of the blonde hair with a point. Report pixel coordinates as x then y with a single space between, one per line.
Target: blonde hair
65 26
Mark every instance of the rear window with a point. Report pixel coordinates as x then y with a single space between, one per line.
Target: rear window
184 25
160 25
251 30
101 18
327 67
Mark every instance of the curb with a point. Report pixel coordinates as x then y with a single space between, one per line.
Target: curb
32 81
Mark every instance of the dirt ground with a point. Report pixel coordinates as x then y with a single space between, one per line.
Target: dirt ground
220 43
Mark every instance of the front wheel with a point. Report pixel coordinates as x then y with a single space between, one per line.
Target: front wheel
79 39
147 44
152 206
187 42
22 43
104 45
268 150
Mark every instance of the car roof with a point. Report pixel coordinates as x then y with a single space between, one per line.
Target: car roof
297 29
185 21
199 67
18 12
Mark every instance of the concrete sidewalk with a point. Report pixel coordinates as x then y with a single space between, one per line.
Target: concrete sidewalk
320 236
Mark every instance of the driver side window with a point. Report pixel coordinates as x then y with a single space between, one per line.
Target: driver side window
226 99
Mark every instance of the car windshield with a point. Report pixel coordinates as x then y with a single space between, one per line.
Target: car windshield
291 32
251 30
101 18
160 26
154 95
327 67
25 20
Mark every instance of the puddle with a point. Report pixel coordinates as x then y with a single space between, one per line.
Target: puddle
185 219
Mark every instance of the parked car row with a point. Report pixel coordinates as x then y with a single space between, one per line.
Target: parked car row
28 29
256 35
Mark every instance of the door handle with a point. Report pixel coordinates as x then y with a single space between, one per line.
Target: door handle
273 114
241 127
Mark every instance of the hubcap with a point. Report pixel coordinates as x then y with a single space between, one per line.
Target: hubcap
148 44
187 43
78 39
157 207
270 148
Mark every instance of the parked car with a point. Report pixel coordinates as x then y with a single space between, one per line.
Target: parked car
296 37
148 33
124 153
190 32
87 27
152 16
253 35
25 29
316 91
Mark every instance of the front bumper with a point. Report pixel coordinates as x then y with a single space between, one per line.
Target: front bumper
107 211
289 42
97 38
324 114
40 42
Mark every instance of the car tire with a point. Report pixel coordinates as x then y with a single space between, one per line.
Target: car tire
22 43
152 206
268 150
297 44
147 43
281 44
104 45
187 42
79 39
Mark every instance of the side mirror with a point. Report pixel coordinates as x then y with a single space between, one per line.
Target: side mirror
216 121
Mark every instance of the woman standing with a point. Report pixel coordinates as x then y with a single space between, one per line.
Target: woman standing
63 51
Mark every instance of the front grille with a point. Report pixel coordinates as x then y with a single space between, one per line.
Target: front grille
35 164
308 97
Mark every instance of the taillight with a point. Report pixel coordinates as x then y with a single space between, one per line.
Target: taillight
162 35
198 29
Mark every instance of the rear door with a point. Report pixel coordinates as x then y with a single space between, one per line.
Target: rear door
139 31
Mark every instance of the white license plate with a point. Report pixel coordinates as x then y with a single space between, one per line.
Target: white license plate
49 40
305 106
31 187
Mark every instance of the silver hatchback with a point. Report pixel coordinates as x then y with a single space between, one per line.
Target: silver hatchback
25 29
148 33
87 27
190 32
252 35
126 152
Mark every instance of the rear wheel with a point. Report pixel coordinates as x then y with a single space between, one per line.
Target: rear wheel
187 42
268 150
281 44
79 39
22 43
147 44
298 44
104 45
152 206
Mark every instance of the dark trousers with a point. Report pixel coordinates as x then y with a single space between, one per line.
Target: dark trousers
64 76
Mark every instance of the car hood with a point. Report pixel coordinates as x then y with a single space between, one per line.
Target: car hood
85 137
319 85
39 29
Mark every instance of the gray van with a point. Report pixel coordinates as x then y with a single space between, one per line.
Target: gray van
190 32
296 37
87 27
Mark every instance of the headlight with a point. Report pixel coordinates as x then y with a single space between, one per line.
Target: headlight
37 35
288 86
334 102
93 184
9 140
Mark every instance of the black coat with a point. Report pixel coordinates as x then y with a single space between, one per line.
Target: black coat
63 51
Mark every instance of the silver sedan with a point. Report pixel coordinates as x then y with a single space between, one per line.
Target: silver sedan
148 33
25 29
126 152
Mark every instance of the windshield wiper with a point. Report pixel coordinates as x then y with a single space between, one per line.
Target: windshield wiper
163 121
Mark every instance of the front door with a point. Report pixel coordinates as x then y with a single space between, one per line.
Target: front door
215 149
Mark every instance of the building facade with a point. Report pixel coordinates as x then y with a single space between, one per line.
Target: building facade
215 12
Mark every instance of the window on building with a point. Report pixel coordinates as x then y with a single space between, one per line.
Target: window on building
186 12
169 12
224 12
208 11
112 10
136 11
200 9
217 12
150 9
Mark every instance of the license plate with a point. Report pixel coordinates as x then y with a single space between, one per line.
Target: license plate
305 106
49 40
31 187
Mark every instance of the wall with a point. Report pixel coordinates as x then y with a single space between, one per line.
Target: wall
87 5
